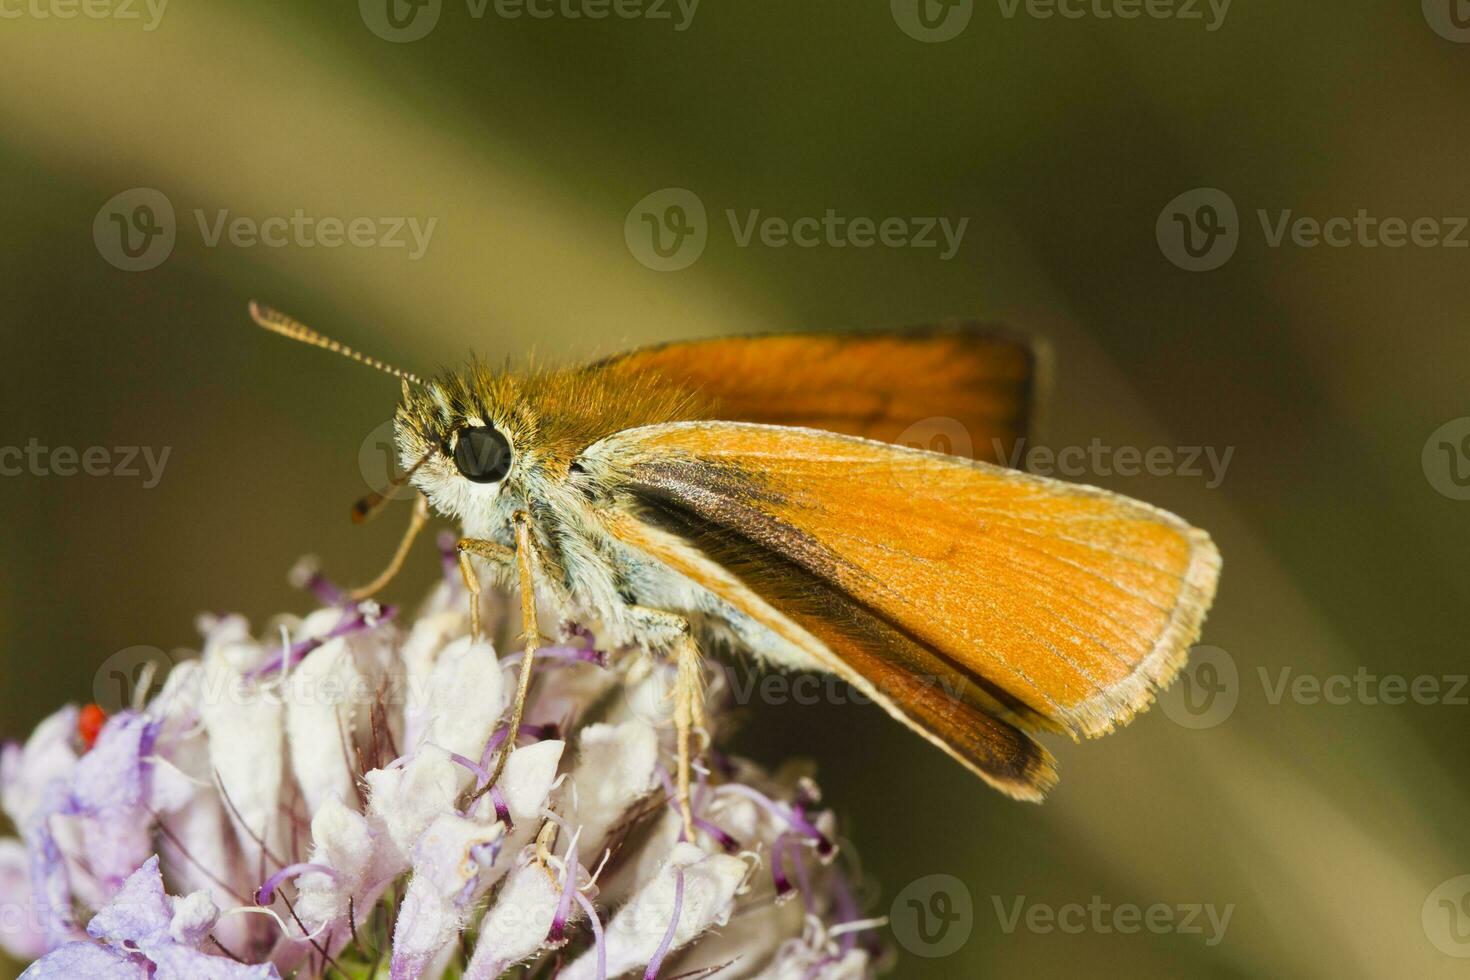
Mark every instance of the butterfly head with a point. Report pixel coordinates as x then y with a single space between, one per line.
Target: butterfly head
469 442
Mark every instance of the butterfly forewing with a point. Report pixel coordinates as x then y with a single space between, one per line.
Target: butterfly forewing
1066 603
961 388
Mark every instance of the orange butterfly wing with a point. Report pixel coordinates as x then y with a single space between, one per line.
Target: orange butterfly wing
957 589
961 387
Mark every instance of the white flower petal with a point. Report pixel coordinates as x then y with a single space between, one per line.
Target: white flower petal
406 800
529 774
638 929
615 769
246 724
517 924
797 961
46 757
466 697
429 635
325 695
194 916
445 877
20 930
752 940
343 841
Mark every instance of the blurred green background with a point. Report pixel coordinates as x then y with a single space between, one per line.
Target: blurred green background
1329 828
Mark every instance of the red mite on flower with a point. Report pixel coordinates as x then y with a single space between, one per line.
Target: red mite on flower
318 802
89 724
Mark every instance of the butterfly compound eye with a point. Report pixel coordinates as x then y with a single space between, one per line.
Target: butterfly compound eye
482 454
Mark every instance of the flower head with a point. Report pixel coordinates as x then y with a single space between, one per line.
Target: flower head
316 802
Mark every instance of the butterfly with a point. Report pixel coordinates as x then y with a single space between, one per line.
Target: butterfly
758 493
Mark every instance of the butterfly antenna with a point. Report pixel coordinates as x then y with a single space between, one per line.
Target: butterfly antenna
277 322
367 508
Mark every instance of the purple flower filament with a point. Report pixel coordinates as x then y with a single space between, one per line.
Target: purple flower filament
727 843
655 964
266 893
825 848
482 776
354 621
557 937
790 843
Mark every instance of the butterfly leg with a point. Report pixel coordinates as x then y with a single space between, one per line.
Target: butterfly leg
415 525
492 551
673 632
520 557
